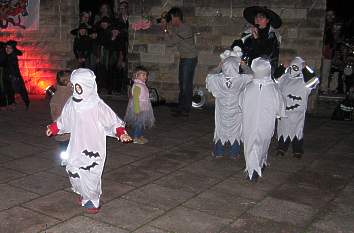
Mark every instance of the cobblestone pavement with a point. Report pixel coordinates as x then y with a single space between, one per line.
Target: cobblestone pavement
172 184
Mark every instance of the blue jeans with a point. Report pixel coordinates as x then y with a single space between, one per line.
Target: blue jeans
185 78
137 131
219 148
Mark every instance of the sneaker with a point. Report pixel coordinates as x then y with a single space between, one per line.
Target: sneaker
234 157
254 177
297 155
216 156
90 208
140 141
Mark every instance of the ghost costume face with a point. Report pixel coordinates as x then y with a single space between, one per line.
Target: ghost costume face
89 120
295 93
261 104
226 88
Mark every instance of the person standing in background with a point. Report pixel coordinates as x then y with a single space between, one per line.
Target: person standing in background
181 35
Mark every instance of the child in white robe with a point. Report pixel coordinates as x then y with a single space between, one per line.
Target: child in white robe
226 88
295 92
261 104
89 120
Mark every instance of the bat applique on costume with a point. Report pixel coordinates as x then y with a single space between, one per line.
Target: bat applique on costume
294 97
88 168
91 154
228 82
292 107
73 175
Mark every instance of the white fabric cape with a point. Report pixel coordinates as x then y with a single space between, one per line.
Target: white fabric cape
228 118
88 124
261 104
295 94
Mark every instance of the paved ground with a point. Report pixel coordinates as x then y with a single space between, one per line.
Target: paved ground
173 185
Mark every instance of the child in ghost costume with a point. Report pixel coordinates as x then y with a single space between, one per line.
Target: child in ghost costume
89 120
295 93
261 104
226 88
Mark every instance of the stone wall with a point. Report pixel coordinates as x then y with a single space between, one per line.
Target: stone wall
217 23
48 49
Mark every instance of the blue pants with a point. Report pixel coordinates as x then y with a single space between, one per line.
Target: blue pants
219 148
137 131
185 79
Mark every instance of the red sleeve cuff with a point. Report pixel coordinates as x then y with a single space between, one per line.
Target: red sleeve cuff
120 131
54 128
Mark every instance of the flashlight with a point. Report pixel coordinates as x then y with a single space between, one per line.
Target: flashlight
64 158
64 155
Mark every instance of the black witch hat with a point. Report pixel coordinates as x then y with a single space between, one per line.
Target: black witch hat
250 13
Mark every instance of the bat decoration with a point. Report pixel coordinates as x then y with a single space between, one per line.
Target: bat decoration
73 175
292 107
294 97
88 168
91 154
228 82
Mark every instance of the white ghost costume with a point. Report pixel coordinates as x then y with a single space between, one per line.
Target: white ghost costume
295 93
261 104
89 120
226 88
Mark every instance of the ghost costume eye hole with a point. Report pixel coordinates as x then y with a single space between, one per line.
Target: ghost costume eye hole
295 67
78 89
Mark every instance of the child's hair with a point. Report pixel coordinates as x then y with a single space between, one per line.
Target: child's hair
140 68
62 74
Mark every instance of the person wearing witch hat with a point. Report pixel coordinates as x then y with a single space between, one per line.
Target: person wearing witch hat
12 72
261 39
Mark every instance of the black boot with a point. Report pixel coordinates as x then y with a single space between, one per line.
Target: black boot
254 177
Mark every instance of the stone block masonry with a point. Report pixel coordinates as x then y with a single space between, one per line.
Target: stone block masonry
48 49
217 23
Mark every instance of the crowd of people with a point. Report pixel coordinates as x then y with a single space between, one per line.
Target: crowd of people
101 44
251 93
338 58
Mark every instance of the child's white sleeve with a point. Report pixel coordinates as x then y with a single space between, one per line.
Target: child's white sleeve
109 119
64 121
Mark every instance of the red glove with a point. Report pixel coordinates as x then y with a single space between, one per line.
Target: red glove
53 128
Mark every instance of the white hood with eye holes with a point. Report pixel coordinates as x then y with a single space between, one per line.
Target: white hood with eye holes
85 88
295 68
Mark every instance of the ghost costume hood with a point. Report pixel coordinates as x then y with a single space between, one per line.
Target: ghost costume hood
261 104
295 93
89 120
226 88
85 88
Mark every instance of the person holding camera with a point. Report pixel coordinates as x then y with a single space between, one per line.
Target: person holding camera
261 39
181 35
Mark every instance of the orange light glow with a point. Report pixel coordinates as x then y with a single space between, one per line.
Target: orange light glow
35 67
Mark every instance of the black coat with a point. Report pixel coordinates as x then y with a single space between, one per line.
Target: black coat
82 47
266 46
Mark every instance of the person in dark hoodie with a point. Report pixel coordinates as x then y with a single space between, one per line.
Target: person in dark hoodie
6 91
82 45
12 72
117 60
103 39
